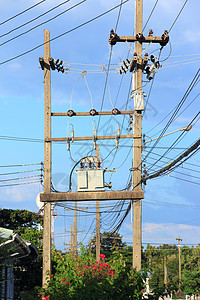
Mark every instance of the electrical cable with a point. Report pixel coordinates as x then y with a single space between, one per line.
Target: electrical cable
20 178
176 116
16 28
6 185
20 139
22 12
177 172
183 133
188 91
150 15
29 30
13 173
177 16
170 159
62 34
151 86
24 165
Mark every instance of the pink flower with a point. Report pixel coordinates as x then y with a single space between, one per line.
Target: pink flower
76 266
67 282
63 279
102 256
87 267
75 255
142 291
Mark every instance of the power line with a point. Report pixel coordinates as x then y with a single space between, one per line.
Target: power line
178 16
62 34
20 139
22 12
175 142
150 14
16 28
24 165
163 170
170 159
27 171
7 185
29 30
20 178
188 91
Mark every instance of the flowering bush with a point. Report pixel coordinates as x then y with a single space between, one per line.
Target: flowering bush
82 277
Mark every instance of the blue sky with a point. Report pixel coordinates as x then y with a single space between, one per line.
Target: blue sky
171 205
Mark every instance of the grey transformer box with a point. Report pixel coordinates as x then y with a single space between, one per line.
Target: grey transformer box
90 177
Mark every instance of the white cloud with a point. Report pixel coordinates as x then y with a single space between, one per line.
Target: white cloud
20 194
191 37
189 233
15 66
167 233
183 120
167 5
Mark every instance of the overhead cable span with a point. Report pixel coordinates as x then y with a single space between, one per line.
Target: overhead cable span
185 154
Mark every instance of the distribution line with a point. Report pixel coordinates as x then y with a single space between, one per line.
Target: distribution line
13 173
188 91
24 165
23 183
62 34
175 142
150 15
16 28
20 178
22 12
178 15
191 176
156 134
170 159
29 30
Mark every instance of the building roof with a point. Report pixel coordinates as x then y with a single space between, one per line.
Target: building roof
14 247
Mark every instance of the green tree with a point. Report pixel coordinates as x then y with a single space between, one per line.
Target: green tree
27 272
18 220
110 242
156 258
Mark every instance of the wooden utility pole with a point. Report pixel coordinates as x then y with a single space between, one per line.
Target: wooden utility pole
75 230
179 262
137 66
165 274
47 161
97 217
137 79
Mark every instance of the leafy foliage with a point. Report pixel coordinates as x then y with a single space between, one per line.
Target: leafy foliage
18 220
27 272
81 277
109 243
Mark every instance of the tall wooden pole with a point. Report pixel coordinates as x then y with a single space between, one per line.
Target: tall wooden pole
47 161
75 229
165 274
72 240
179 262
97 218
137 78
